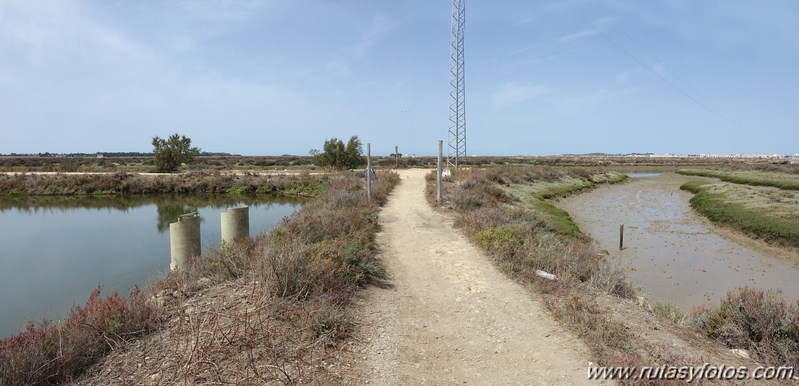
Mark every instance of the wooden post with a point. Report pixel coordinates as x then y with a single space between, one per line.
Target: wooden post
396 156
439 192
621 237
369 171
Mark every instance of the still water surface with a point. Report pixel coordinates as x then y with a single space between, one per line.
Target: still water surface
55 250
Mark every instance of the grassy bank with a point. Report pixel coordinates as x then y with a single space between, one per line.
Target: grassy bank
768 214
783 180
535 194
191 182
269 309
507 212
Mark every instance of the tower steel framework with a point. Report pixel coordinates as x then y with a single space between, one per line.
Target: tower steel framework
456 137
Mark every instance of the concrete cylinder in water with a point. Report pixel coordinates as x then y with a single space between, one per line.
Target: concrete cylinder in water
184 240
235 224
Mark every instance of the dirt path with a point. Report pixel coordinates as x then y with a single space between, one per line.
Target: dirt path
451 317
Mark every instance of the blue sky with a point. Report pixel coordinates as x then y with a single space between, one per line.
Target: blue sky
279 76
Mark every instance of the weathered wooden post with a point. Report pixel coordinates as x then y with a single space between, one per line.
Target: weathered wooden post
439 192
369 171
184 240
235 224
621 237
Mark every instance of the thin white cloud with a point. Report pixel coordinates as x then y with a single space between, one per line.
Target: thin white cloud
520 50
63 30
659 69
513 93
543 59
580 102
577 35
624 76
368 40
597 26
377 31
226 10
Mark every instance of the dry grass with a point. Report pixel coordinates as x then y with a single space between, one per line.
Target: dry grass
50 353
755 320
192 182
524 231
263 311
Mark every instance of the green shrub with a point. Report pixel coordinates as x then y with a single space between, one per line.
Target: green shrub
335 154
505 239
669 311
237 191
170 153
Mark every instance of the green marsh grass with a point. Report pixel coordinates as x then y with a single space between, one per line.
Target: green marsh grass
765 213
788 181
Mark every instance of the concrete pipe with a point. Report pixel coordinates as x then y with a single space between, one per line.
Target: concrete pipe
235 224
184 240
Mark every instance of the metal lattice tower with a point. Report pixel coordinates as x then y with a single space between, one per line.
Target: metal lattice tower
457 108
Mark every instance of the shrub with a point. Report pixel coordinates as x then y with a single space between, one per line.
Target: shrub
170 153
756 320
505 239
51 354
669 311
531 234
335 154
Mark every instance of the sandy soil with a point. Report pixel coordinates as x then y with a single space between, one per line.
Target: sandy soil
673 253
449 316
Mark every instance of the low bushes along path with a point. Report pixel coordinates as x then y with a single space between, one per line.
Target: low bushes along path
449 316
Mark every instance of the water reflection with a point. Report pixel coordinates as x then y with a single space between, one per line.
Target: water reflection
168 213
168 207
55 250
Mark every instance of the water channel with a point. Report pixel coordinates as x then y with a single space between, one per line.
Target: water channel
55 250
671 252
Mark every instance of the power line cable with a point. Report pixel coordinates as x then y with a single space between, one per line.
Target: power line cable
660 76
708 101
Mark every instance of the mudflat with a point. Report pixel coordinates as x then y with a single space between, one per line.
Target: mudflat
672 252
